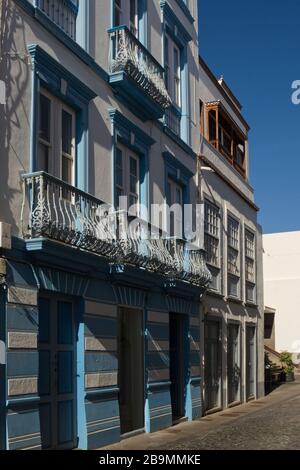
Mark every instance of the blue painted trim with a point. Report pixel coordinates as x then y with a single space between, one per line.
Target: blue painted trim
102 392
143 140
82 30
68 42
122 131
182 4
112 6
174 26
80 401
33 120
183 145
147 412
134 97
23 401
53 72
143 22
185 97
145 365
158 385
178 173
49 73
176 169
3 375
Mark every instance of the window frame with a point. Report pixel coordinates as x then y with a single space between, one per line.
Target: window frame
127 154
134 26
236 249
173 80
118 8
252 259
209 234
56 155
175 224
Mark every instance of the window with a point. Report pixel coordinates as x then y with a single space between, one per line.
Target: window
175 199
44 148
226 136
134 17
177 88
173 70
212 233
118 15
56 138
127 176
166 54
233 256
212 242
201 117
250 268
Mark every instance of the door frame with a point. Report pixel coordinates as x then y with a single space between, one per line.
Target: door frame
144 381
251 397
220 321
60 297
240 350
183 373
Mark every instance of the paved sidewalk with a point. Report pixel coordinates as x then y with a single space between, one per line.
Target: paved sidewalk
272 422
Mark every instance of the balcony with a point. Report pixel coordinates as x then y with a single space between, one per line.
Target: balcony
55 210
62 12
136 76
226 137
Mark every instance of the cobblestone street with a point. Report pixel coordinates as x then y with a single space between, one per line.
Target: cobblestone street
273 422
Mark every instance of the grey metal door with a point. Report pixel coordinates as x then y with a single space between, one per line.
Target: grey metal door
213 365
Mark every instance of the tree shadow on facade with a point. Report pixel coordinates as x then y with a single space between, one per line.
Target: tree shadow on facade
14 71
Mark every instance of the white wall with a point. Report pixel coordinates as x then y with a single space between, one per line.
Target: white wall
282 287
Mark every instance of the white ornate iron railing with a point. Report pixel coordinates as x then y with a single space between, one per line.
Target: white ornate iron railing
54 209
62 12
129 55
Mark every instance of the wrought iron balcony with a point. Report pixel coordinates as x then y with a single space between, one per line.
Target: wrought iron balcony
136 76
62 12
53 209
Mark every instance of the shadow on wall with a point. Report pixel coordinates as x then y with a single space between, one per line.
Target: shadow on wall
14 71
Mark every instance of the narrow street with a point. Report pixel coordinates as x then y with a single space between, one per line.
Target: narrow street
271 423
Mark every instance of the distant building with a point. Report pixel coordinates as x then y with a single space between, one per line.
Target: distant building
282 288
269 328
233 307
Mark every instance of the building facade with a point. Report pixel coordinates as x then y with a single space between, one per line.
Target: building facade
233 309
281 285
100 337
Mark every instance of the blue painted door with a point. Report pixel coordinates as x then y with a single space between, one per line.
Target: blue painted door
57 373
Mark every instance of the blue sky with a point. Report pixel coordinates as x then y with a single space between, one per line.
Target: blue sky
256 46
